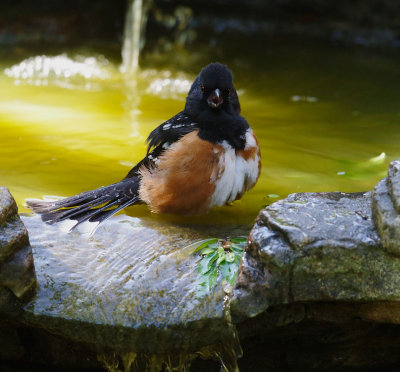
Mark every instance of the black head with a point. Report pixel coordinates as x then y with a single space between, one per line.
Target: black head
213 104
216 84
213 90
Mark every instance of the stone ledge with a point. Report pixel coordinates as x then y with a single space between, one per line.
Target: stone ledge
17 271
8 206
386 207
314 247
318 286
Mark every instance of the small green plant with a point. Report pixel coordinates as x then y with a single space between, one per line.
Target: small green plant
218 256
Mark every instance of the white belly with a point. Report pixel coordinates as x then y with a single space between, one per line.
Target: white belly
237 174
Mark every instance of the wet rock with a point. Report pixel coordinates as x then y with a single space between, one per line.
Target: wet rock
17 272
316 286
386 208
319 281
315 247
131 289
8 206
393 182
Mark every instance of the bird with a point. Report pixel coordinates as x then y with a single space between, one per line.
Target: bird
205 156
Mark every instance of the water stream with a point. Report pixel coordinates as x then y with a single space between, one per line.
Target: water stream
132 37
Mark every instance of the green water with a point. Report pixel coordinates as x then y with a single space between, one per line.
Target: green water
322 116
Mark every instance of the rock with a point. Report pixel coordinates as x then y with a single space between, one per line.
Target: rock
393 182
314 247
132 289
316 290
386 209
8 206
17 271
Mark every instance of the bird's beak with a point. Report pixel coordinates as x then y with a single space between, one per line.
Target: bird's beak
215 100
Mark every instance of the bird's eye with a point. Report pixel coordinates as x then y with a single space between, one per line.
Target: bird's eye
202 89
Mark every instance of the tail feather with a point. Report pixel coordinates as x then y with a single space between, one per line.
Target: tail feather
52 216
101 214
93 206
41 206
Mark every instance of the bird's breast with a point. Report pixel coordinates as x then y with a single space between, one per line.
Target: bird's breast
238 171
194 175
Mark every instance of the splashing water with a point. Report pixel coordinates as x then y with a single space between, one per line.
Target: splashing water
61 70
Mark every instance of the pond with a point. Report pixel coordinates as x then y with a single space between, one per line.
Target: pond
327 119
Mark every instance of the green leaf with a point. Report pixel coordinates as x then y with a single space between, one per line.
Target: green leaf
274 196
207 250
206 263
202 288
225 269
238 258
212 257
230 257
212 277
232 279
221 255
237 250
229 271
218 256
205 243
239 240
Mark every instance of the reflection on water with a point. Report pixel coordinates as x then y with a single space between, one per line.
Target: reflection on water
62 71
320 115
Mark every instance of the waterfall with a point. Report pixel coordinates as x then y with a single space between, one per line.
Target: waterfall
131 44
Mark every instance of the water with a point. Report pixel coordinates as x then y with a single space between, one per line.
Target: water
132 289
327 119
323 118
132 37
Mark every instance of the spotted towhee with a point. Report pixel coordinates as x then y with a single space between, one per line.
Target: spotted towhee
205 156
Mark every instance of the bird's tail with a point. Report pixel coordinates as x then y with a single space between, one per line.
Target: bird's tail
94 206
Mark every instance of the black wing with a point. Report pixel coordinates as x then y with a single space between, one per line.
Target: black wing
171 131
163 137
